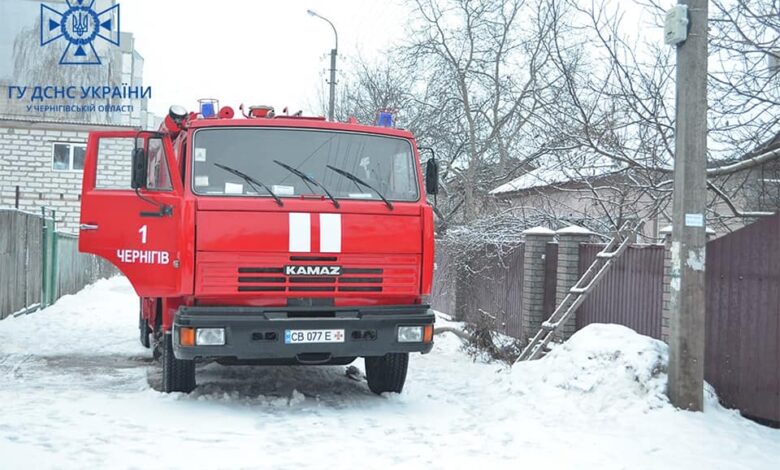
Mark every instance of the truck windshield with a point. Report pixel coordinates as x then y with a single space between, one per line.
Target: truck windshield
386 163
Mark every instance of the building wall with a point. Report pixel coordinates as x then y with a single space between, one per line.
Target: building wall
26 157
26 162
756 189
578 206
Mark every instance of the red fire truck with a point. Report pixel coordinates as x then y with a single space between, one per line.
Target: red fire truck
267 239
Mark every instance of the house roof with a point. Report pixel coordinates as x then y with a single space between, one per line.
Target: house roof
47 122
557 173
772 143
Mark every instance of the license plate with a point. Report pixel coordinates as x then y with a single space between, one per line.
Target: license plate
313 336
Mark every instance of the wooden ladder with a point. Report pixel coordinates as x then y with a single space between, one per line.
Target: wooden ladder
577 294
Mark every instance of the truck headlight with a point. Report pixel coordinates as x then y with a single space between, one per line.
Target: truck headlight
410 334
210 337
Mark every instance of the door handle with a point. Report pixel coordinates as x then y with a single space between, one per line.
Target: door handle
88 227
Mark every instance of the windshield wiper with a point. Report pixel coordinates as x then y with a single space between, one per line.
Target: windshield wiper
251 181
309 179
359 181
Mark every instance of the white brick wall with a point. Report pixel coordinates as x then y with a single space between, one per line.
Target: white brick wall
26 161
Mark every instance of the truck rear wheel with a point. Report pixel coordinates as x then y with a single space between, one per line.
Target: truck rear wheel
178 374
387 373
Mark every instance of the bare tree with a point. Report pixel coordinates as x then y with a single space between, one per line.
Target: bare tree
616 96
482 69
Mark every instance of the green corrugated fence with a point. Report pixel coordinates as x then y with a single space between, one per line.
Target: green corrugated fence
39 264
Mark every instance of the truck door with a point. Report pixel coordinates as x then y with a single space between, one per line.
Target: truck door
138 230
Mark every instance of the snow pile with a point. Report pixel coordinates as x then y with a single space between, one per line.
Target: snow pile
102 317
602 368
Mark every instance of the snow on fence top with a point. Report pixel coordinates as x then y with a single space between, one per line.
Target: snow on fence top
574 230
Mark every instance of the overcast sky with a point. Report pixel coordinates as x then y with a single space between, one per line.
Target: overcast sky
248 51
252 51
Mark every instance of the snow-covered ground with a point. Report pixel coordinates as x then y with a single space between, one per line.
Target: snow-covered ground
77 391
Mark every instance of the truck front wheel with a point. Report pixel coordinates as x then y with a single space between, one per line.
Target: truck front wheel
387 373
178 374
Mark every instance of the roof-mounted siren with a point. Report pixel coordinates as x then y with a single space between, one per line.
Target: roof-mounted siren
261 112
226 112
208 107
175 119
385 118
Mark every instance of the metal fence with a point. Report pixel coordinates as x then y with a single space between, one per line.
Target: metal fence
743 303
743 319
21 256
630 294
76 270
443 291
39 264
484 285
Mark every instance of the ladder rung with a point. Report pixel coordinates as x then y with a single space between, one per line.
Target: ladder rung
610 254
577 290
546 325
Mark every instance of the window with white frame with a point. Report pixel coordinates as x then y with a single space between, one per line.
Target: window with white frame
68 156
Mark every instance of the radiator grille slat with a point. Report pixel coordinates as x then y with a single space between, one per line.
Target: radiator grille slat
313 280
360 289
311 289
260 270
360 280
261 288
260 279
362 270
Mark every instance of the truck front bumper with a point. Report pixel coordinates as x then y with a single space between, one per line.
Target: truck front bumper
258 333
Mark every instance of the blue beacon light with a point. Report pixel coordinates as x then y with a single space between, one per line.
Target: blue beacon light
207 110
385 119
208 107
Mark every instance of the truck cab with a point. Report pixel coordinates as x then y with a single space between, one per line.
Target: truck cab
267 240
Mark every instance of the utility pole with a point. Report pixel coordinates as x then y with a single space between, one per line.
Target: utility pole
333 53
687 304
332 101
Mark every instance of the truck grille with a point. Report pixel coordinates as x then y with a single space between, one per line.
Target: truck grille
223 273
344 283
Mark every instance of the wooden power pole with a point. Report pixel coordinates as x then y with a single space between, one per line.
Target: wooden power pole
686 362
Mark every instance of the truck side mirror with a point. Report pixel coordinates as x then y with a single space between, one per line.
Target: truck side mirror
432 176
138 177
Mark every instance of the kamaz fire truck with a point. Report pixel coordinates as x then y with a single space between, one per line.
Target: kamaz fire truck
267 239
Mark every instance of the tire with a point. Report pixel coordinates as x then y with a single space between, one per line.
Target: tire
143 329
387 373
178 374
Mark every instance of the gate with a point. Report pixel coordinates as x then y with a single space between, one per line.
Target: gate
743 319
